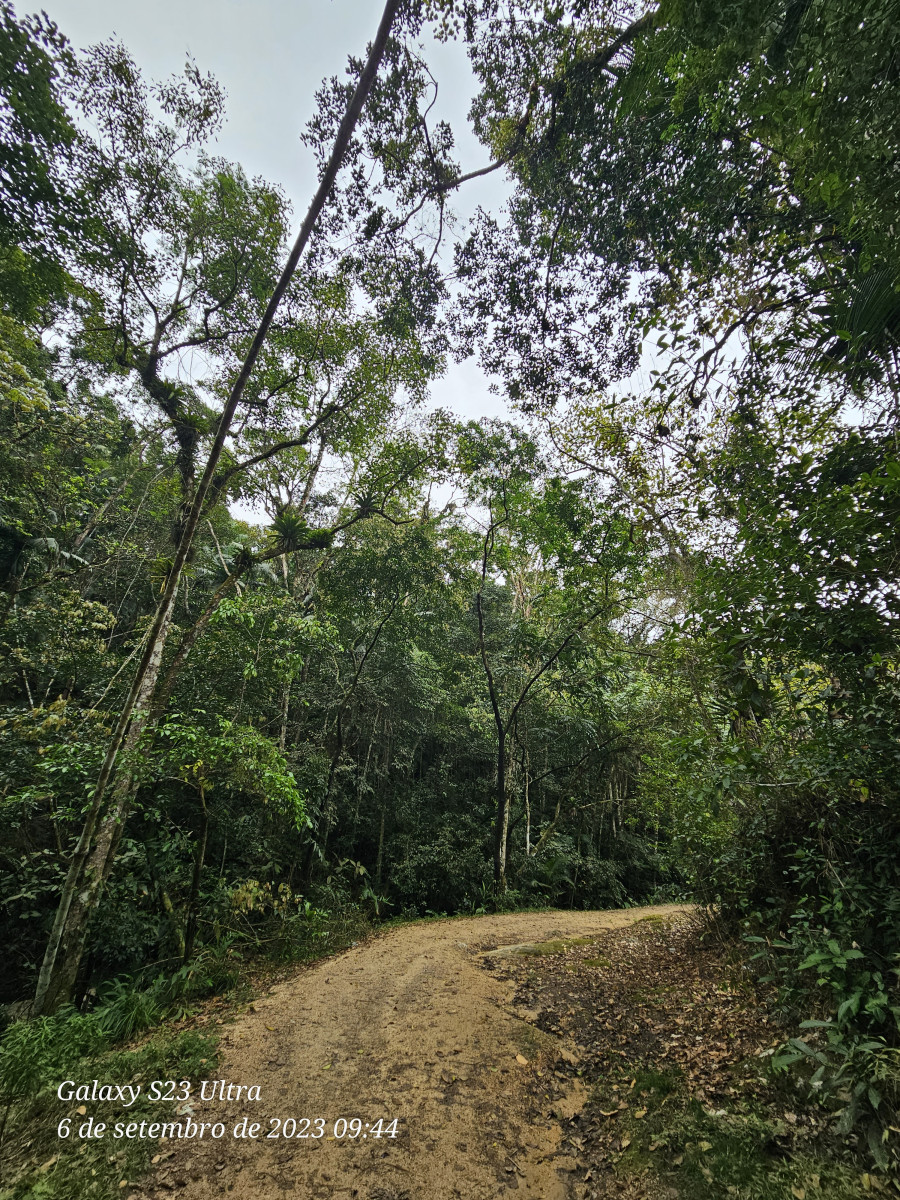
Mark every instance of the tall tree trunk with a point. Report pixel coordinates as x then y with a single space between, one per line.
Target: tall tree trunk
379 857
527 799
95 850
92 859
165 899
501 817
285 713
190 925
188 642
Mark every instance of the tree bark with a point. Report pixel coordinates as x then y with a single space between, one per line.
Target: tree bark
190 925
188 642
501 819
92 859
380 854
285 713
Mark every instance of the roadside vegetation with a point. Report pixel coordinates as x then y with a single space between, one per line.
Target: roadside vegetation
285 652
678 1047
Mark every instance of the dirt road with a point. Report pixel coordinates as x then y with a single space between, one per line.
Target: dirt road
408 1026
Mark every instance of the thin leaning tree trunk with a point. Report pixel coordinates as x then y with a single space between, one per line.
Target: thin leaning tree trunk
188 642
95 850
190 925
501 817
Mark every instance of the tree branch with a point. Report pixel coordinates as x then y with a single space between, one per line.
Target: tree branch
277 448
548 663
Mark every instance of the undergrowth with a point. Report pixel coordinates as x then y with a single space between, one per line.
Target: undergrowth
746 1149
37 1055
682 1053
41 1165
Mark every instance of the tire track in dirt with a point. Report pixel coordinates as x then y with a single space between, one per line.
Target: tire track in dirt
405 1026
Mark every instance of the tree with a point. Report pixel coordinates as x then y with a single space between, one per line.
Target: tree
93 856
691 148
38 209
554 562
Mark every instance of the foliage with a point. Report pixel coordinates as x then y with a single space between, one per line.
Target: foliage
36 1055
39 211
673 1043
638 640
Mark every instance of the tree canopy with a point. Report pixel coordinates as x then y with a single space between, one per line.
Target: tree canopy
279 638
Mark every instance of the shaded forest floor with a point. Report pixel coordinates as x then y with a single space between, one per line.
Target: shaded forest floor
549 1056
671 1042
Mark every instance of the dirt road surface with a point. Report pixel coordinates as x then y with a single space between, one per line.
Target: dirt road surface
409 1025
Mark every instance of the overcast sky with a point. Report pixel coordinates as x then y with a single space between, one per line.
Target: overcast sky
271 56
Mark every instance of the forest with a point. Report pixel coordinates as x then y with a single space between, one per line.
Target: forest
287 651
